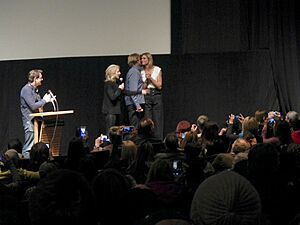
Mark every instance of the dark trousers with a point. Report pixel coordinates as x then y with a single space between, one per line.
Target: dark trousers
134 117
154 111
111 120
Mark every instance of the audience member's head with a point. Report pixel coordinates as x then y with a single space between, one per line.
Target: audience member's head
223 161
39 153
46 168
240 145
201 120
13 155
171 142
263 161
160 170
291 117
183 126
260 116
146 127
210 131
226 198
129 150
250 124
16 144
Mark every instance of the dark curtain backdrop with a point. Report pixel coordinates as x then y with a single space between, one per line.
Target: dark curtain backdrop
212 26
229 56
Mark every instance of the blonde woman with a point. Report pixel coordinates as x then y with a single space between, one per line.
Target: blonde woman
112 96
152 78
111 107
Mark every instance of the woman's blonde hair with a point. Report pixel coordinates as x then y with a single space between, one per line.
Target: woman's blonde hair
110 72
149 57
129 149
249 124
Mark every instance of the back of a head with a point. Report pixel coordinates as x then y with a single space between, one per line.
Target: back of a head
226 198
63 197
260 116
250 124
223 161
263 161
109 186
39 153
183 126
129 150
292 116
283 131
210 130
15 144
171 142
201 120
76 149
13 155
240 145
160 170
146 127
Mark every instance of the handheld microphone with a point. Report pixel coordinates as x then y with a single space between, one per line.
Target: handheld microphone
120 80
53 99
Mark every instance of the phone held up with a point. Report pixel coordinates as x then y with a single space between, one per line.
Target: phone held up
127 129
83 132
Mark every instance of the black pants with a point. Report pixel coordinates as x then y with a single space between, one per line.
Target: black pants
134 117
154 111
111 120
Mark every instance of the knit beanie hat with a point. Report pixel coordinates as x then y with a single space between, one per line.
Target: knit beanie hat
226 198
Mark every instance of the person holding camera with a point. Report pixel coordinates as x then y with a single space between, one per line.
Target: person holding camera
31 102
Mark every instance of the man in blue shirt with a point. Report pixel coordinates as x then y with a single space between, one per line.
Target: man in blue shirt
31 102
134 82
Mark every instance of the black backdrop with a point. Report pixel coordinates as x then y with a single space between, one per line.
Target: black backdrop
234 57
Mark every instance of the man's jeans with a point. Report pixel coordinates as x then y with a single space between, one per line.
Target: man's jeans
29 137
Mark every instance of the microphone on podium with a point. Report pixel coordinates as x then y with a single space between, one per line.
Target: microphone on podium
53 97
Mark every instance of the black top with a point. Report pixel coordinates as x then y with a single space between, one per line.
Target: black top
111 98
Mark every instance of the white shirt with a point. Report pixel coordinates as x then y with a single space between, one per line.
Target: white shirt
154 75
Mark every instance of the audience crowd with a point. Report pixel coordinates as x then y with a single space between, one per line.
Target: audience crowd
246 172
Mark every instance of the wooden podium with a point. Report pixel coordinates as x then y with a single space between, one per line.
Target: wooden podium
48 129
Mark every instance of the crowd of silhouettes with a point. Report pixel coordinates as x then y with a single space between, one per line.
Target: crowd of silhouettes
244 172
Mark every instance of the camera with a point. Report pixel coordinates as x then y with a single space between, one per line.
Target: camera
127 129
272 121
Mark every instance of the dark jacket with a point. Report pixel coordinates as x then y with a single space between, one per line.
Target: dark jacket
111 98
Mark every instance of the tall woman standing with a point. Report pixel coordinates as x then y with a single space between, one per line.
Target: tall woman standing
152 77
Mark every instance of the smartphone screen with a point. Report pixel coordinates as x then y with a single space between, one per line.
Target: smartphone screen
83 131
177 167
104 138
128 129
